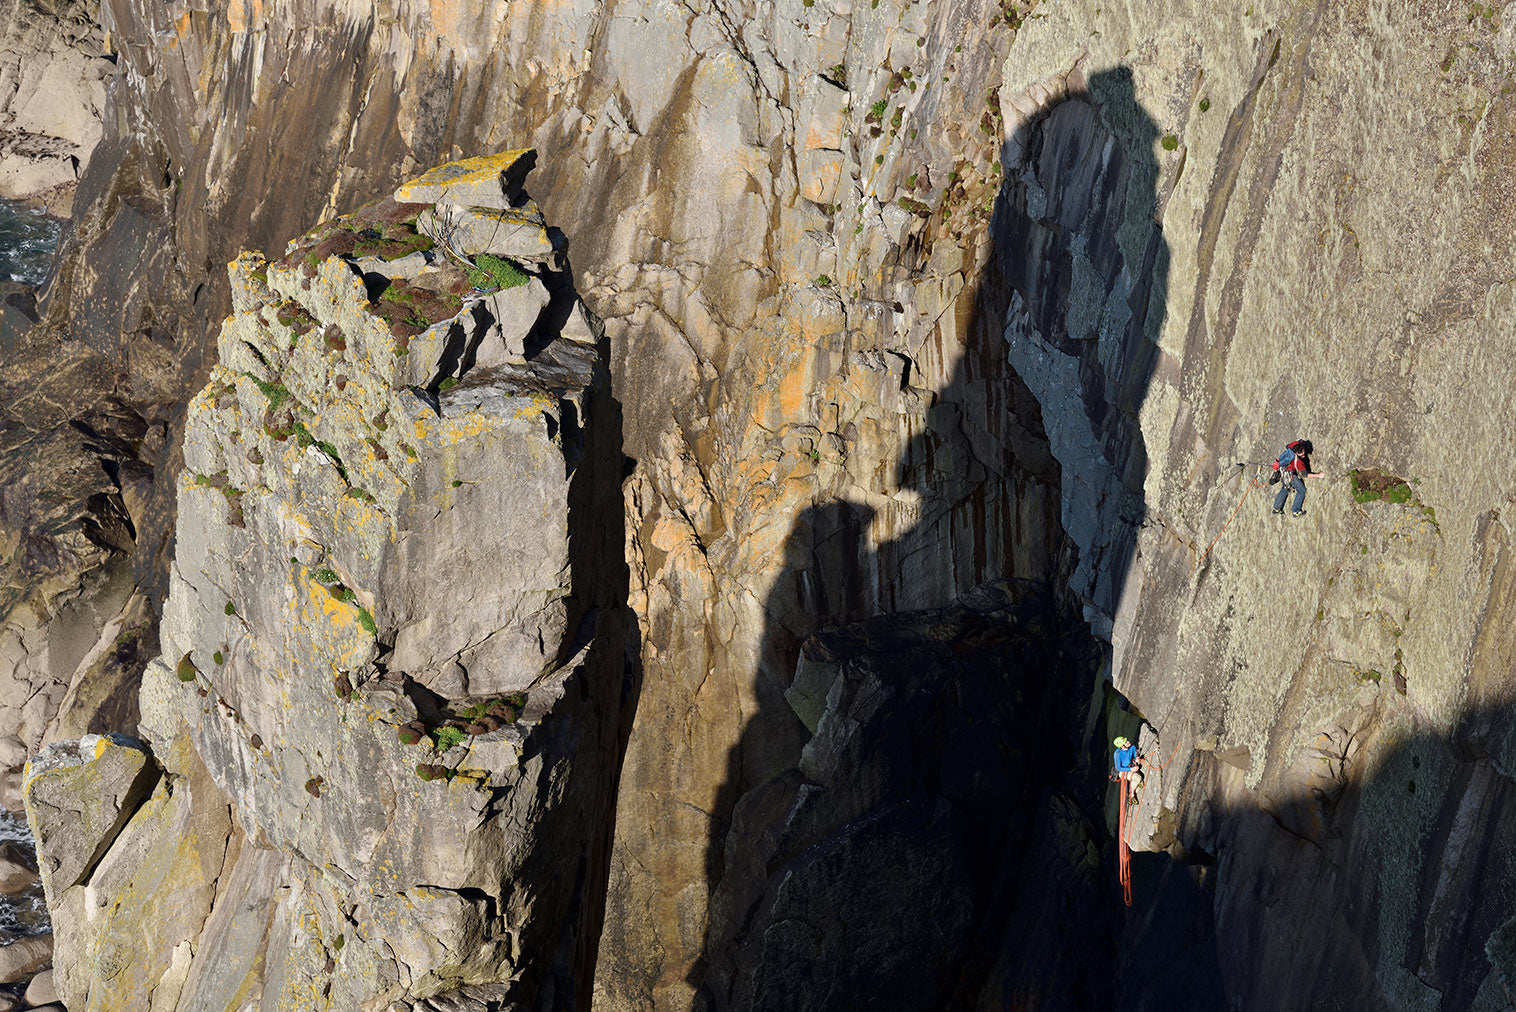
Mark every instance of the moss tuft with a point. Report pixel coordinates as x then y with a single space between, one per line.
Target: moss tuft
492 272
186 669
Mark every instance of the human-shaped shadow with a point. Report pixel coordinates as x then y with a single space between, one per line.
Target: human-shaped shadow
914 788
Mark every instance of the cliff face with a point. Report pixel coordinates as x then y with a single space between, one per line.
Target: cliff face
904 299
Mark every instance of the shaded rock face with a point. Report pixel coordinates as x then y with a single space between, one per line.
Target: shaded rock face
933 738
905 299
367 787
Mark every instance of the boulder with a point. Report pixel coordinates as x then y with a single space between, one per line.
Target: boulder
25 956
78 795
518 233
486 181
42 990
16 870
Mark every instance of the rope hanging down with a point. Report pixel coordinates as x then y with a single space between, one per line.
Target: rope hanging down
1123 853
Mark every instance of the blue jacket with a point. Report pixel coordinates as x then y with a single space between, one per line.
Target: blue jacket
1126 759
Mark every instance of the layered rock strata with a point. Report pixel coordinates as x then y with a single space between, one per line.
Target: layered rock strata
379 744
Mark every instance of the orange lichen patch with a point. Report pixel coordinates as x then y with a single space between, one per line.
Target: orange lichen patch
181 26
792 389
241 13
478 171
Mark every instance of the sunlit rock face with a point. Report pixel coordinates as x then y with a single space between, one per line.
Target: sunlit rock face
378 759
905 299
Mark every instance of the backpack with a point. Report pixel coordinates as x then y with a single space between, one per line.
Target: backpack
1282 465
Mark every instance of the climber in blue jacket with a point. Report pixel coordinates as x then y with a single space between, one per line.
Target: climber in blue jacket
1127 761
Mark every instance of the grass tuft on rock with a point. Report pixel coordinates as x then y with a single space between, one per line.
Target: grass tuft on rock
1372 485
492 272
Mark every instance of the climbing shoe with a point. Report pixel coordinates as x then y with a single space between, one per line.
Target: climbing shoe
1298 513
1279 511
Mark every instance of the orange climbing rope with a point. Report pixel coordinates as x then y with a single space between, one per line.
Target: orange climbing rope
1123 856
1257 482
1123 853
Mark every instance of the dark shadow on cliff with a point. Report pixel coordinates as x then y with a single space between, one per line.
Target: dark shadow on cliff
1374 872
913 817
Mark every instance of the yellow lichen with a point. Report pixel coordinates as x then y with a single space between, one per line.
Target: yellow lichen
468 171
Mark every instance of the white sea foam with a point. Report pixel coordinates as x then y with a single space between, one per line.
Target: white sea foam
28 243
23 913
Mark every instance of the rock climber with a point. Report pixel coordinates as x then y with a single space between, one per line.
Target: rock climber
1128 763
1291 468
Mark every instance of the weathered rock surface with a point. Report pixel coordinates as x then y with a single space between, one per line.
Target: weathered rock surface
389 694
24 956
79 795
907 298
53 68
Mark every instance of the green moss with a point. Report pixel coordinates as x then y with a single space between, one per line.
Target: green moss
186 669
1364 677
338 943
231 609
277 393
1205 105
218 658
448 383
823 281
357 493
433 771
366 620
492 272
876 111
1371 485
1169 142
326 576
447 736
456 483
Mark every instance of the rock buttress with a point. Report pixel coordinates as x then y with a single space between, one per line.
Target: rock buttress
386 706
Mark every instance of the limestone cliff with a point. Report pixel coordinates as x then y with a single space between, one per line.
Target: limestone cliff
380 739
906 299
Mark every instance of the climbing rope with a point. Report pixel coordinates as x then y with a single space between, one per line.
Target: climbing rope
1123 852
1123 856
1257 482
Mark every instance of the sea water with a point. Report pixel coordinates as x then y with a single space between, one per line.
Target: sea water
28 243
23 913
